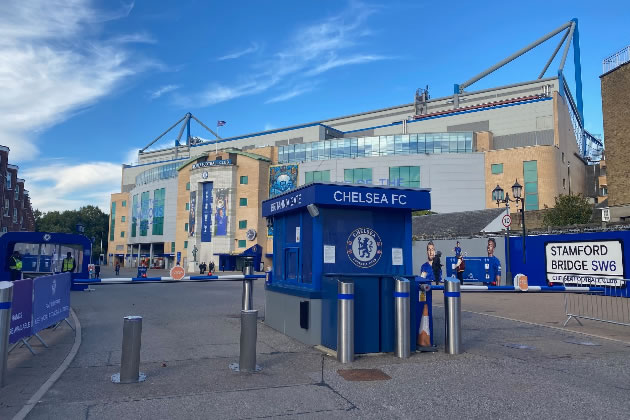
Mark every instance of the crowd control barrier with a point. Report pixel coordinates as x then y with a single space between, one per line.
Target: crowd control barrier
6 298
608 306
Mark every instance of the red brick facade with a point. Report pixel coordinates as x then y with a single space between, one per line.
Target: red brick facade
16 213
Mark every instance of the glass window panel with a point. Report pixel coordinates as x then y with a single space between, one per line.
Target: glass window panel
317 176
308 177
326 150
291 149
394 174
496 168
346 148
414 176
354 147
429 143
308 155
398 145
348 175
390 145
367 175
461 142
360 147
326 176
413 144
452 143
469 142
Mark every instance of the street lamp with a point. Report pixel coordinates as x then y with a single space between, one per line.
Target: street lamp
517 193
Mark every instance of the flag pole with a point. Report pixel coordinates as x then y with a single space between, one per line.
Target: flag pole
216 142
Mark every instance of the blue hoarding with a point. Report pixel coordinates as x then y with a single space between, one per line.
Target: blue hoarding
21 310
206 213
51 300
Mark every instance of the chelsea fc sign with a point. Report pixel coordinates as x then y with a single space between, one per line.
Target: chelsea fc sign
364 247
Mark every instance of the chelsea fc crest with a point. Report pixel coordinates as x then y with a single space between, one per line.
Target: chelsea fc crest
364 247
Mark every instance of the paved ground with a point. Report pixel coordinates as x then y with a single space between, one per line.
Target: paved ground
191 332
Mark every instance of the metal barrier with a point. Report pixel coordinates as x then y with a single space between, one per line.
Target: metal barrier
453 315
6 297
401 303
604 307
130 357
345 321
249 335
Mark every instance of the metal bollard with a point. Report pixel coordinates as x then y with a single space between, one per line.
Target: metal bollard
247 299
345 322
401 300
130 358
6 297
249 335
453 314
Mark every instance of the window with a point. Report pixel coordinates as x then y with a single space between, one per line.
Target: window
603 191
242 243
242 224
124 203
17 192
405 176
497 168
159 196
8 181
122 234
358 175
564 183
186 227
242 202
144 213
134 216
316 176
185 244
530 175
187 206
122 219
244 180
172 246
4 230
14 215
188 186
112 226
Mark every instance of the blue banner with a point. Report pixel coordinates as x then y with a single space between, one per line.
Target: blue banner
206 213
51 301
21 310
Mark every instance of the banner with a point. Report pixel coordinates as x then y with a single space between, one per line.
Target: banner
206 213
191 215
221 215
51 300
21 310
282 178
589 263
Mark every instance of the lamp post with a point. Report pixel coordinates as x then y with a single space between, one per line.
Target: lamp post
517 193
499 196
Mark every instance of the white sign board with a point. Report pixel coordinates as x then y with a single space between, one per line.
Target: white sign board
397 256
606 215
592 263
297 234
329 254
506 220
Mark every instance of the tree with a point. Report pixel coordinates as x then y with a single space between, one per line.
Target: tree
96 224
569 210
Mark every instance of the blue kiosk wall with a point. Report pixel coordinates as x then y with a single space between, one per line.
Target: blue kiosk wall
355 233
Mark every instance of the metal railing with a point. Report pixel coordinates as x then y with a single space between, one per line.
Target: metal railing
608 307
616 60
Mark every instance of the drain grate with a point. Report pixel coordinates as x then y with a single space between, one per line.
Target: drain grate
518 346
358 375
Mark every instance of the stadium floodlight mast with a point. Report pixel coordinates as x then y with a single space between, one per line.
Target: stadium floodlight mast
517 192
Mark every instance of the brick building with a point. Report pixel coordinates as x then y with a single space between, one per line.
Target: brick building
615 107
16 212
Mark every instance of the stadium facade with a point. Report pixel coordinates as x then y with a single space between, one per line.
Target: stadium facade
200 201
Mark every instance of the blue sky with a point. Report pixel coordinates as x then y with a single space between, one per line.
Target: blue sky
87 83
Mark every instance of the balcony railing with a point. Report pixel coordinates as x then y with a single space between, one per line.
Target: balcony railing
616 60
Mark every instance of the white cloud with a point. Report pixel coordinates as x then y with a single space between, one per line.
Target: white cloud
301 58
240 53
58 186
296 91
269 126
131 157
54 63
162 90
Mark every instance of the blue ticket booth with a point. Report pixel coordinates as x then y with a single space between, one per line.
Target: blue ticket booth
323 232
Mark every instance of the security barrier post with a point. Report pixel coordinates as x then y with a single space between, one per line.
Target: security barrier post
401 299
247 300
345 322
130 358
453 311
6 297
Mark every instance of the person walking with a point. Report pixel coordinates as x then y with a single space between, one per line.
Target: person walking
67 265
201 268
97 271
117 268
211 267
15 266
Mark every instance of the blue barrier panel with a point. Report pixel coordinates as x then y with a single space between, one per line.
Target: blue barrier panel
478 269
21 310
51 300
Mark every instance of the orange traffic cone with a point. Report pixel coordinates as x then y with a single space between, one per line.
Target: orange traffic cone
424 337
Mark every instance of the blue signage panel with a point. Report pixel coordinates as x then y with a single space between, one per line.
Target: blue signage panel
348 196
206 213
191 214
51 300
21 310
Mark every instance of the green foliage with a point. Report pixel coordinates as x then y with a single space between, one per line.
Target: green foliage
569 210
95 221
422 212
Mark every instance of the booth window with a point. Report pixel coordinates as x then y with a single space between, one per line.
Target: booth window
185 244
242 224
242 202
291 264
358 176
242 243
404 176
244 180
497 168
112 222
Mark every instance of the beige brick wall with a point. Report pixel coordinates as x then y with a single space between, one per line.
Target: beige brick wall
615 109
183 197
483 141
119 226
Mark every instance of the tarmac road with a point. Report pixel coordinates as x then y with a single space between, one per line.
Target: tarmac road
191 334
